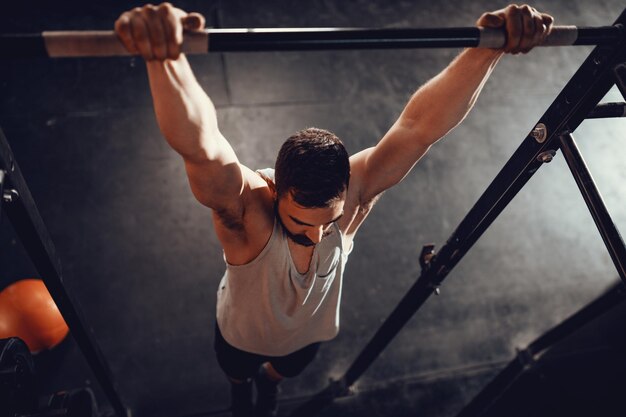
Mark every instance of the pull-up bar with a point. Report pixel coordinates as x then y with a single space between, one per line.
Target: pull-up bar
65 44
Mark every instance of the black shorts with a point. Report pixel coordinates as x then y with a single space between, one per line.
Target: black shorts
240 365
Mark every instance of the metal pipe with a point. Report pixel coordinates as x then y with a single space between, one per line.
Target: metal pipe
607 110
526 357
57 44
33 233
610 235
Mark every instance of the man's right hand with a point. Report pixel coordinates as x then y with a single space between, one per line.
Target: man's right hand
156 32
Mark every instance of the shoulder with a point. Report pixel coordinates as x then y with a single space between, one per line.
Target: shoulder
244 234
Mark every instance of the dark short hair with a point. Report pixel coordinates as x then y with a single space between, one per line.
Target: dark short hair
313 165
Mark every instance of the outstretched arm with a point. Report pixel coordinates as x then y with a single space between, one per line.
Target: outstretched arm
444 101
185 114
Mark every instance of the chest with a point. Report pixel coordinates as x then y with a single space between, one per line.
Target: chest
301 256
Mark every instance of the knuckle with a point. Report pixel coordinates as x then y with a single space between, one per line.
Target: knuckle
167 7
149 10
511 11
164 11
122 24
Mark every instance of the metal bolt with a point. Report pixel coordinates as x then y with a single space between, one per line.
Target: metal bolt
10 196
546 156
540 132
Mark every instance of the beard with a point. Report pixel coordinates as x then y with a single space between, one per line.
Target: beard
297 239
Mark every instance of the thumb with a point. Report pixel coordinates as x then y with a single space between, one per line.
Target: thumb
193 21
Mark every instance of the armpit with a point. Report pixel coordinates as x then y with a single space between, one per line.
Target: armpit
366 206
229 220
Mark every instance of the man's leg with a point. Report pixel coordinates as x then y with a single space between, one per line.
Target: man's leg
240 367
273 372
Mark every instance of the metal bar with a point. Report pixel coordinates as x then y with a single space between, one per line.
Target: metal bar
494 390
105 43
581 94
590 83
620 78
607 110
610 235
596 308
526 357
32 232
405 309
2 176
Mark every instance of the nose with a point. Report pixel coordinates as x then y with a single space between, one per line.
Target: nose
315 234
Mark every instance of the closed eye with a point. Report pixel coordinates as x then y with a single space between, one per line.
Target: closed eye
301 223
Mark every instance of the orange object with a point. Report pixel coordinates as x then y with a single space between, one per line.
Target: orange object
28 311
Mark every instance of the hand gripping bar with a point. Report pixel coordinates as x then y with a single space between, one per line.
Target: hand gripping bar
58 44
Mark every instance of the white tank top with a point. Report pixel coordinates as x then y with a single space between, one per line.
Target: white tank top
267 307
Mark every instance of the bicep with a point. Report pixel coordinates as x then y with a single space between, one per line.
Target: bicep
381 167
216 177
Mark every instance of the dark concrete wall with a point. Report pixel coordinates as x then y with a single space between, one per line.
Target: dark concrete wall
142 259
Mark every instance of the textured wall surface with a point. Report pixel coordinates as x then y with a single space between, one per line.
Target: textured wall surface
141 257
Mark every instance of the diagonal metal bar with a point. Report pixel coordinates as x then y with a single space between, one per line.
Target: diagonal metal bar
526 358
609 232
577 99
32 232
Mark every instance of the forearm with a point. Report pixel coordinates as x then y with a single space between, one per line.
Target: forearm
185 114
444 101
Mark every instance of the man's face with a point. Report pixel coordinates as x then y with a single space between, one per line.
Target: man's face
307 226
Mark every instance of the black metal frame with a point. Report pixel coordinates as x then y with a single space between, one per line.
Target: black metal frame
579 98
526 358
21 210
603 68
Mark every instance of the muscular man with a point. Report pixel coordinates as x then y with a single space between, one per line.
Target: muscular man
287 232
